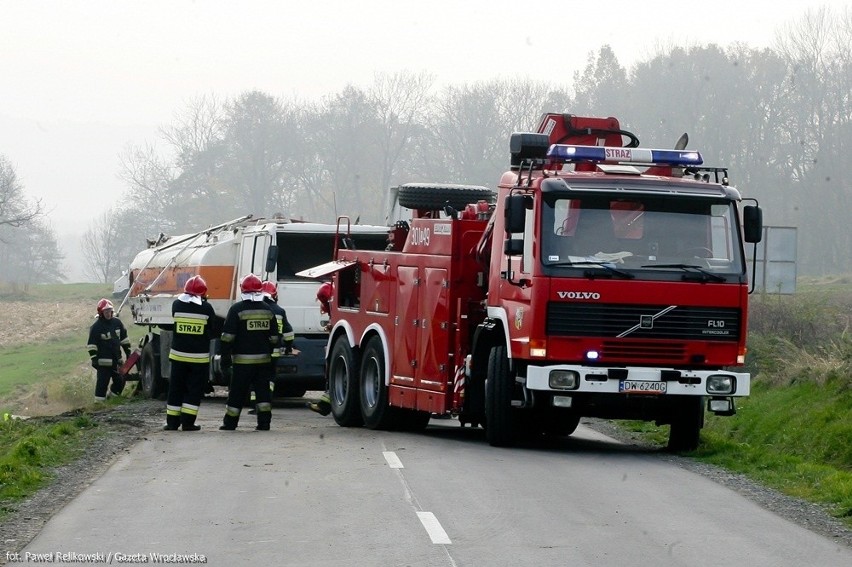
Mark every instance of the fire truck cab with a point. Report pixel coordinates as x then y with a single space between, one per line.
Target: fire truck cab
605 280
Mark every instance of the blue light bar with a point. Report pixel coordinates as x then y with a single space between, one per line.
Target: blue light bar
645 156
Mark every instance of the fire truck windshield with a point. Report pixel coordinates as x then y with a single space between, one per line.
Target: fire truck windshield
641 233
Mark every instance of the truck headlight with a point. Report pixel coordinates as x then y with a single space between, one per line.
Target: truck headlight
564 379
721 384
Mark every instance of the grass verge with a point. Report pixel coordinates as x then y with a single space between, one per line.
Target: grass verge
31 450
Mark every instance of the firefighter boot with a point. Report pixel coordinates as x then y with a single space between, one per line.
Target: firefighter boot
187 422
231 419
321 406
172 418
264 416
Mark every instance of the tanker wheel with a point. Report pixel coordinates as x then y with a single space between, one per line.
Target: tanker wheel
343 384
434 196
149 379
499 384
687 421
374 393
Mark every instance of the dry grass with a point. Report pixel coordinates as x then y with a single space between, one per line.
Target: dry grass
23 322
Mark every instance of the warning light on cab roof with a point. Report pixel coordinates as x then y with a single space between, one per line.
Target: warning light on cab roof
603 154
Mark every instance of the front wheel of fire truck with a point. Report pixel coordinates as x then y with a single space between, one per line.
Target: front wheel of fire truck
343 384
499 384
686 423
374 392
149 377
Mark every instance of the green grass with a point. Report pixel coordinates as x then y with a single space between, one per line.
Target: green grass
29 450
29 364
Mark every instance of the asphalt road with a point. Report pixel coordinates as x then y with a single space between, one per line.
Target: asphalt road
311 493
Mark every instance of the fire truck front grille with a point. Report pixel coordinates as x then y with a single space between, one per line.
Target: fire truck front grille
674 352
642 322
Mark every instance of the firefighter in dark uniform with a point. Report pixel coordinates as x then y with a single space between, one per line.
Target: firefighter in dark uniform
270 297
107 338
194 327
249 337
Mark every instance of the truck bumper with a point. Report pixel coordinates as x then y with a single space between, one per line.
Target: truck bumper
307 369
569 378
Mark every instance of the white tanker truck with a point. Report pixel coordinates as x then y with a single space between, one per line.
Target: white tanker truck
273 249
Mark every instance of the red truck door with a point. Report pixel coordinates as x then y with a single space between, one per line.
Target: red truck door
407 331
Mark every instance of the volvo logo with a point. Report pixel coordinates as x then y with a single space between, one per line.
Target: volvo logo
578 295
647 321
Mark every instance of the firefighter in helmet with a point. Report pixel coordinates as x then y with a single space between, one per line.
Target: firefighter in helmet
107 338
249 337
324 295
195 325
270 297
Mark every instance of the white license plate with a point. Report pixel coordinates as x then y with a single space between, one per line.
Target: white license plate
641 387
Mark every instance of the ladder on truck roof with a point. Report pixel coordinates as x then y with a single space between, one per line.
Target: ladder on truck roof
189 240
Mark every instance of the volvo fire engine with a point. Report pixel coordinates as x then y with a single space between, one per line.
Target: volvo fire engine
606 280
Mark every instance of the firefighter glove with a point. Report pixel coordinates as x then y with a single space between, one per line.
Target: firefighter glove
288 350
95 363
126 352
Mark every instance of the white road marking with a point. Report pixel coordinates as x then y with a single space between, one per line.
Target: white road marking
393 460
433 528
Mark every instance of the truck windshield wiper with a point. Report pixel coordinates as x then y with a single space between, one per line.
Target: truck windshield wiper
605 265
687 267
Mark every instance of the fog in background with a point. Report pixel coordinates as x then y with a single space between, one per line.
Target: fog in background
87 85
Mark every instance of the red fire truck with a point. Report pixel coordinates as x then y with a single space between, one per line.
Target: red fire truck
605 280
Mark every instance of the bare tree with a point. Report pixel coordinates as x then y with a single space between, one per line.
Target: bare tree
15 209
30 256
101 248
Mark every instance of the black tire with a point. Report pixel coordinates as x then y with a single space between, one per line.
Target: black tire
149 373
434 196
343 384
559 423
374 393
499 430
687 421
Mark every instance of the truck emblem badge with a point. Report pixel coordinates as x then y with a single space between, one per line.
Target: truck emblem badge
578 295
647 321
519 318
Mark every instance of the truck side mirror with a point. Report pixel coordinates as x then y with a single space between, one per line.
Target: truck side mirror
752 223
515 213
271 259
513 246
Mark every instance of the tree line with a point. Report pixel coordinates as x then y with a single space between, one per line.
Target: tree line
778 118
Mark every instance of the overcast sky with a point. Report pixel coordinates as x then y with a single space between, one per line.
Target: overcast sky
80 80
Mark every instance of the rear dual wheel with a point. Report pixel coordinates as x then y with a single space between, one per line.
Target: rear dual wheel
374 392
343 384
